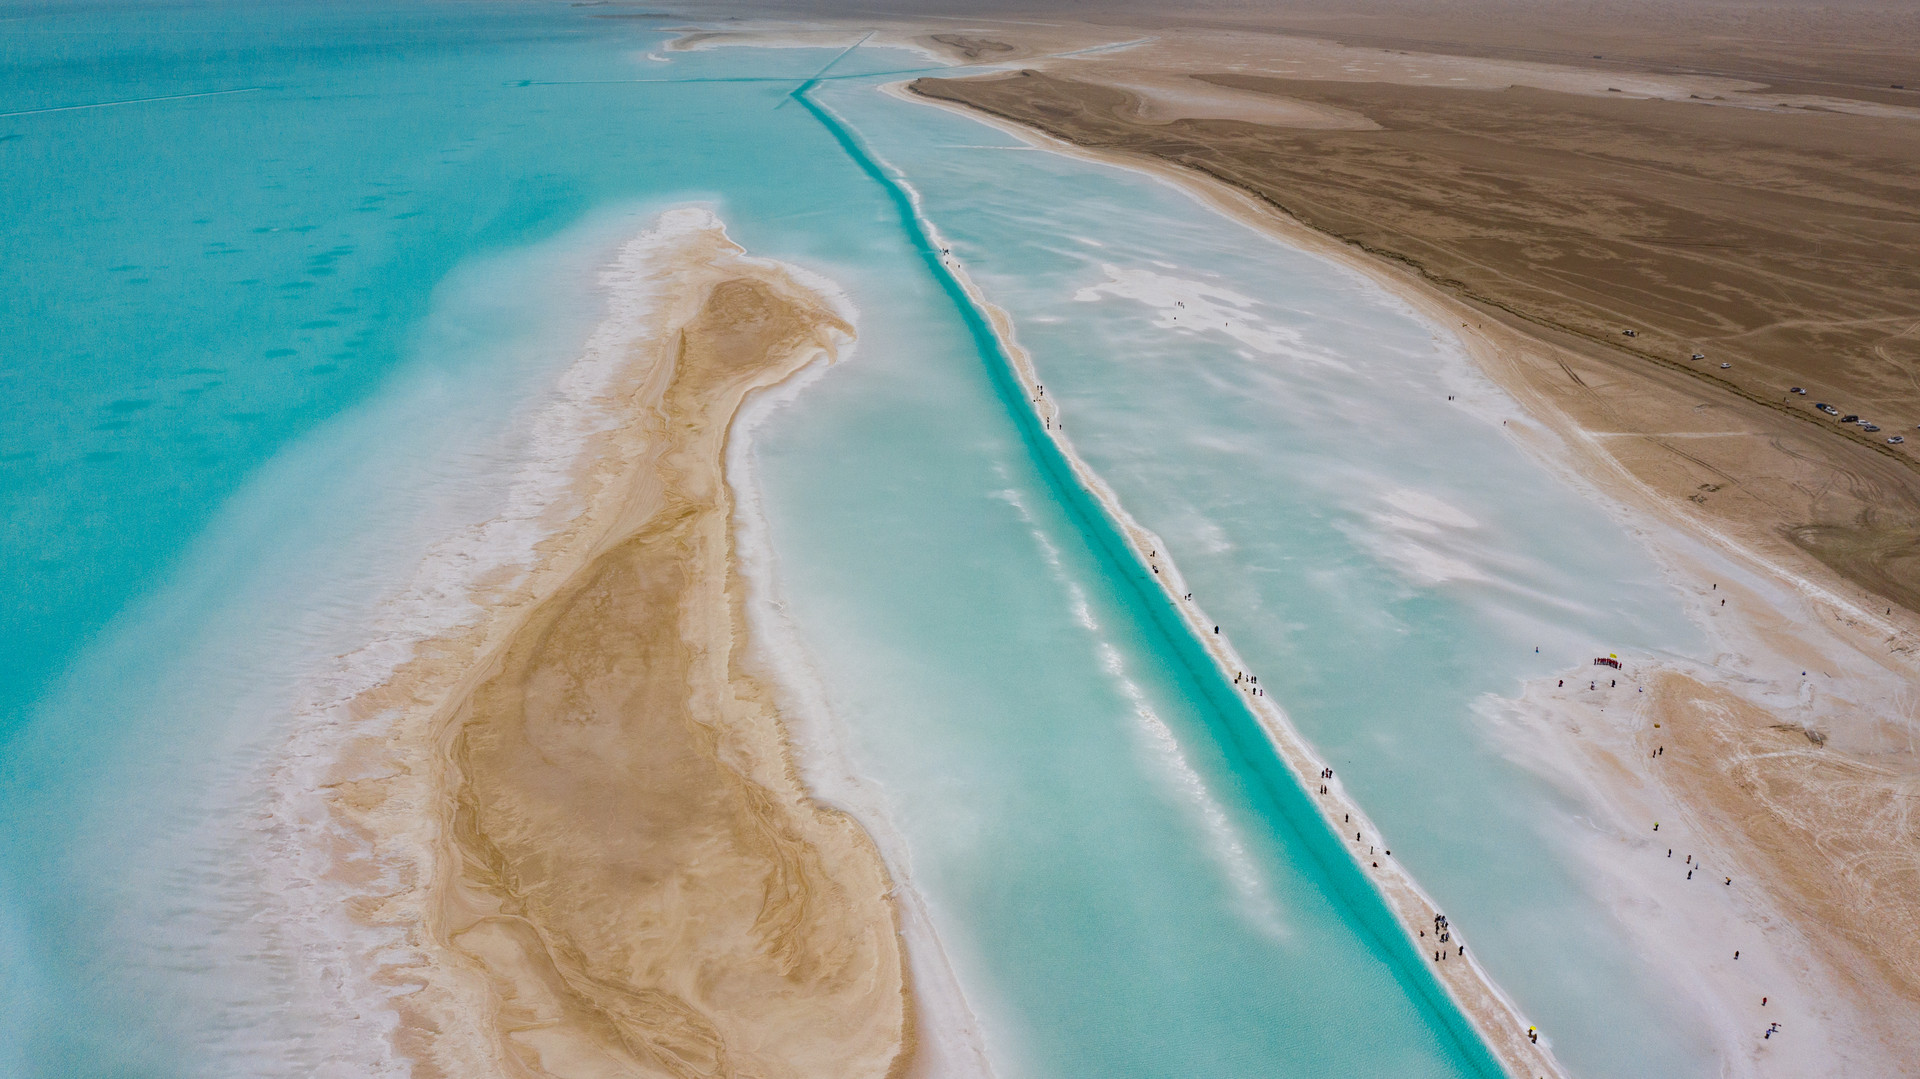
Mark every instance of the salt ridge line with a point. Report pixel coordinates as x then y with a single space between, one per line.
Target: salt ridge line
1415 907
1124 546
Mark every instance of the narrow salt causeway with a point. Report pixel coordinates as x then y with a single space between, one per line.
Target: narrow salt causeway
1326 476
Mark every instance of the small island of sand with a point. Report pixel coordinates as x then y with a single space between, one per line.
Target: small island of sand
612 867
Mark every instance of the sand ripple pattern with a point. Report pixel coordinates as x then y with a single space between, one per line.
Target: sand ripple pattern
607 865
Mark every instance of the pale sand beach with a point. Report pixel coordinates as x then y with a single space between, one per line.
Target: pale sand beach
580 811
1818 824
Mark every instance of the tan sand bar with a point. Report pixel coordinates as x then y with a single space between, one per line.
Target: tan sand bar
612 866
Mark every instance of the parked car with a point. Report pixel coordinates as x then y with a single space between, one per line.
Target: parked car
1849 418
1828 409
1897 439
1869 427
1798 390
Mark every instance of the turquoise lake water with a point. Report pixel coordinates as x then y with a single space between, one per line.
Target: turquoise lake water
283 283
1382 557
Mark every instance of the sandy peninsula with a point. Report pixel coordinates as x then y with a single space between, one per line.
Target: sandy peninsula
580 812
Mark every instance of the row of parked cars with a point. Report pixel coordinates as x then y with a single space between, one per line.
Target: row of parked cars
1865 425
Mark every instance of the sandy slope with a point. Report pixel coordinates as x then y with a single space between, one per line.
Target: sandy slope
607 864
1775 241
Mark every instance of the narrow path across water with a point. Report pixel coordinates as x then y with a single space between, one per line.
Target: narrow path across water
1237 731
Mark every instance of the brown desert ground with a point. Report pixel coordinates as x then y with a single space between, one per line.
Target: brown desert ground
1781 241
